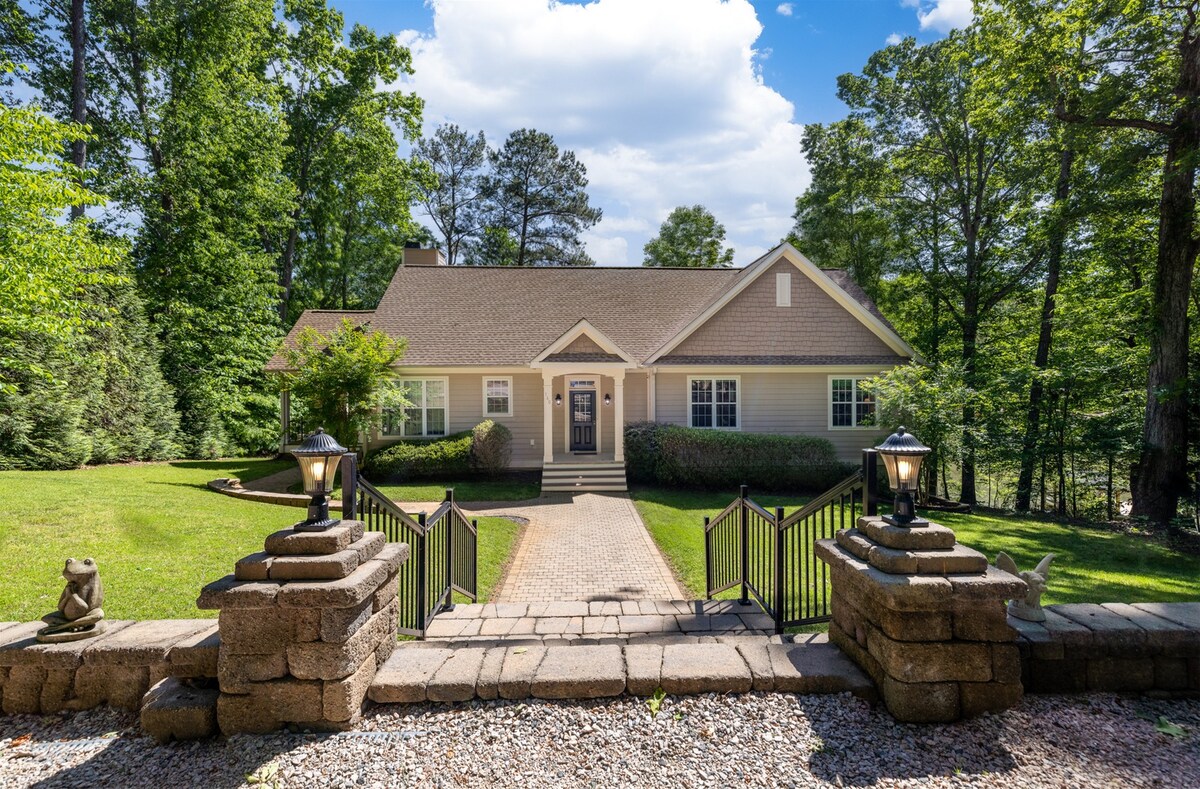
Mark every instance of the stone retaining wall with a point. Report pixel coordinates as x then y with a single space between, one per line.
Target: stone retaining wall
1145 647
115 668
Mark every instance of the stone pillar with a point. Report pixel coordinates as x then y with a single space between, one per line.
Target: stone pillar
925 618
304 626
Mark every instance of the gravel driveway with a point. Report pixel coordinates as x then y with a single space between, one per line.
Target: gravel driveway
750 740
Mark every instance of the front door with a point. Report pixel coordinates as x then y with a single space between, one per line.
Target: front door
583 421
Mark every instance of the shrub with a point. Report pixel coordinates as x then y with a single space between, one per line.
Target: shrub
491 447
691 457
449 456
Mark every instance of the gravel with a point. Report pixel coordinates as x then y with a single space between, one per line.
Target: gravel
750 740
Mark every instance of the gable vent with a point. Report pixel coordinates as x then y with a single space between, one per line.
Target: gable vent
783 289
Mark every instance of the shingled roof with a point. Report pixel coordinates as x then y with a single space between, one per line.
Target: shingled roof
506 316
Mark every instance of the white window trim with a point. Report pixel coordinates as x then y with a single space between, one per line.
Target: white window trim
400 381
687 400
507 379
853 402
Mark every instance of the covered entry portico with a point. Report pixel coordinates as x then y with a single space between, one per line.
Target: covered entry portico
583 411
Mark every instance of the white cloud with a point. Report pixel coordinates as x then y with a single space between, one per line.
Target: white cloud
893 39
942 15
784 9
661 101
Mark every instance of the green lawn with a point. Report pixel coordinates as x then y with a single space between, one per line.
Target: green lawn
1092 564
514 487
155 530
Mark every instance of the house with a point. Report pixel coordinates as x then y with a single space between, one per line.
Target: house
566 356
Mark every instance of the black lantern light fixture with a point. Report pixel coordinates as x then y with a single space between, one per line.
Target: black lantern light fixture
902 454
607 399
319 457
558 399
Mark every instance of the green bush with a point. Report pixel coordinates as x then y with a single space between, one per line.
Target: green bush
441 457
491 447
691 457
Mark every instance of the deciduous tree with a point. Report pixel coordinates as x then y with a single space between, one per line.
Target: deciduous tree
691 237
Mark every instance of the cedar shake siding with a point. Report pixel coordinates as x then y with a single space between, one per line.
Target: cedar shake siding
813 326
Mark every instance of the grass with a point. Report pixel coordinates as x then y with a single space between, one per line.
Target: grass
1092 564
157 533
510 487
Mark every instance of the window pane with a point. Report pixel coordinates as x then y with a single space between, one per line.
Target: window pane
726 415
412 421
864 412
843 415
702 391
701 415
435 419
435 394
414 392
843 390
497 405
391 422
727 391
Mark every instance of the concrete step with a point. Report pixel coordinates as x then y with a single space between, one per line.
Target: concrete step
418 673
586 489
582 467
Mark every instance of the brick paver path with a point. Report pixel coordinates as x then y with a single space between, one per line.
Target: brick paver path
589 546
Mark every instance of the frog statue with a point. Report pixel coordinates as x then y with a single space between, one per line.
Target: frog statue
79 614
1029 609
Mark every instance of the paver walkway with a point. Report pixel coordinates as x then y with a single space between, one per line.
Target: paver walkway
588 546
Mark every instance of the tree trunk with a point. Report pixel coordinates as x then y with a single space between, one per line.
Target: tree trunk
1162 469
1054 256
78 90
970 337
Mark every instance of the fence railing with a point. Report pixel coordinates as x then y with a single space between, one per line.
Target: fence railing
442 548
771 555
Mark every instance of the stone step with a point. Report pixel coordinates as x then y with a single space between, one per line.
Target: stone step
418 673
571 620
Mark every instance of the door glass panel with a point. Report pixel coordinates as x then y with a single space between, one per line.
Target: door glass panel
582 408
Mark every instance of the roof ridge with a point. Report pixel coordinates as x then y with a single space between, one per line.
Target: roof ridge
575 268
339 312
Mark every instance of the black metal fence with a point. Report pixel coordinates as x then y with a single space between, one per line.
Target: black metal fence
771 556
443 548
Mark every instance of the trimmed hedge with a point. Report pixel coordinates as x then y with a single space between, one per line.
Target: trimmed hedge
440 457
491 447
677 456
486 449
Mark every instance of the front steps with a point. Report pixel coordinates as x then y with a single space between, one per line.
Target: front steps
425 671
576 477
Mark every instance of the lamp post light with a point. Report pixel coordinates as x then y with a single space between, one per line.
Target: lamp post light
902 454
318 456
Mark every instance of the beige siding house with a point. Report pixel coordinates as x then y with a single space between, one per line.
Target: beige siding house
566 356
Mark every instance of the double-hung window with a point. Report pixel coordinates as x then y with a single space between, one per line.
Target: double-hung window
713 402
850 405
426 411
497 397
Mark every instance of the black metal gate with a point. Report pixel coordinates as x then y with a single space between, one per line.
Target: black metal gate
442 548
771 555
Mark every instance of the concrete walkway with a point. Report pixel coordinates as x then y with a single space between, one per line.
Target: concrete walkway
588 546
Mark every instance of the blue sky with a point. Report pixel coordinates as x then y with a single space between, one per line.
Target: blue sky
667 102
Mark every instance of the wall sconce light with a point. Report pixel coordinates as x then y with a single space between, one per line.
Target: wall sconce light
608 399
558 399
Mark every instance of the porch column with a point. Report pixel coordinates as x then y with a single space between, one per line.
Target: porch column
619 416
547 417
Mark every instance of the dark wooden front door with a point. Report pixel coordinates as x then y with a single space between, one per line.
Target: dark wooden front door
583 421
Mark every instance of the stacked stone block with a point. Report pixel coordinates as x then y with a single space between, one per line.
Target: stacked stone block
1113 647
114 668
304 624
925 618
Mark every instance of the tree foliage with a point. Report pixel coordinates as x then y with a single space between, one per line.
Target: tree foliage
691 237
454 201
342 381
